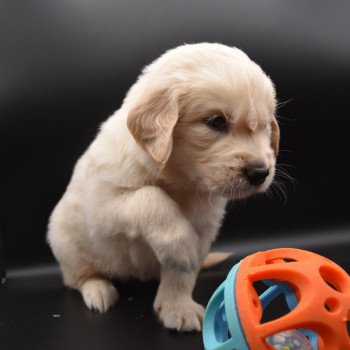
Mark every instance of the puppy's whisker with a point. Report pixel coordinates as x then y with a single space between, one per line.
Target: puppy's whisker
213 190
273 190
283 103
280 189
284 175
232 189
199 183
279 165
284 118
285 150
194 178
268 193
222 192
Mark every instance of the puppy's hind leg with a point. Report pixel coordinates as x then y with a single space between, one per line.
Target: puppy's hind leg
98 293
159 221
78 273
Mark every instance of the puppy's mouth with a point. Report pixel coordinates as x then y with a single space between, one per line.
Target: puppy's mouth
237 191
241 187
238 185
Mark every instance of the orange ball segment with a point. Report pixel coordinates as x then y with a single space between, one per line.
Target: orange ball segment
320 285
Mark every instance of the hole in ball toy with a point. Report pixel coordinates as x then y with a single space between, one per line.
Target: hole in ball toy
260 287
332 286
220 324
331 305
276 309
334 279
280 260
273 299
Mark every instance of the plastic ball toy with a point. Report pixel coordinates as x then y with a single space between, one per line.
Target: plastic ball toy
316 296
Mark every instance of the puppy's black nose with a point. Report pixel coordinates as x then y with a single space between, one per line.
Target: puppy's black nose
256 175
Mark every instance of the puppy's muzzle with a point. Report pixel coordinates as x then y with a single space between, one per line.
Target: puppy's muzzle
256 175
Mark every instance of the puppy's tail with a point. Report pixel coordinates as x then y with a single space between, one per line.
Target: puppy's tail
214 259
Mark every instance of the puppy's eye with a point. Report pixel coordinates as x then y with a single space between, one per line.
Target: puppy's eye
217 122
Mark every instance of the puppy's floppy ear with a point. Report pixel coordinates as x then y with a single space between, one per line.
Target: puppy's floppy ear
275 136
152 121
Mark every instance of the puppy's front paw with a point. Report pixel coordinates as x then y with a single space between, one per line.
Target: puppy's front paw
99 294
184 260
182 255
185 315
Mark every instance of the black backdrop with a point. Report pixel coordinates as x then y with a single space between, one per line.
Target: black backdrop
66 65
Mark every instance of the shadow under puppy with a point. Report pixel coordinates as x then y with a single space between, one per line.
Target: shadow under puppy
147 198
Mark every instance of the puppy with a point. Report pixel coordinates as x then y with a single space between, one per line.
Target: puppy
147 198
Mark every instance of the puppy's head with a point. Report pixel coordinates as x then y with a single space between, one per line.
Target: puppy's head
206 114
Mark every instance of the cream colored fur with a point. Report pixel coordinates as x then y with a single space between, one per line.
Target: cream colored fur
147 198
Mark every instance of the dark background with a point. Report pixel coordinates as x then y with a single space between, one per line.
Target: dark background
66 65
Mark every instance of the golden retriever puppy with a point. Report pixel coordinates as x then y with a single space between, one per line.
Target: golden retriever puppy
147 198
